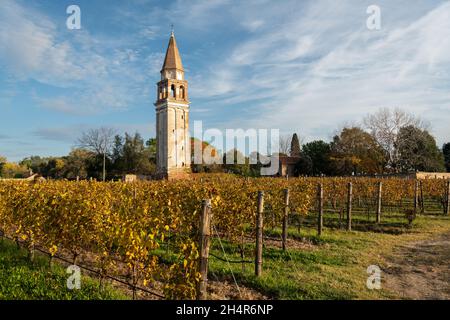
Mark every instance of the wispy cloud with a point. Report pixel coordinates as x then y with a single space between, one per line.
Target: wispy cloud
304 66
96 74
323 66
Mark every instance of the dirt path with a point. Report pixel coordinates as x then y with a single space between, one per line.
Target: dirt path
420 270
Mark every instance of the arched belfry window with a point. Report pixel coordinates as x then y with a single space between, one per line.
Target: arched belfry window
182 92
173 91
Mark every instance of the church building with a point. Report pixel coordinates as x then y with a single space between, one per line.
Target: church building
172 118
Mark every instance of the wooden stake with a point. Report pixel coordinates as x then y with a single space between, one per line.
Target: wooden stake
320 200
416 196
204 241
285 218
448 198
31 252
349 206
422 203
259 234
379 198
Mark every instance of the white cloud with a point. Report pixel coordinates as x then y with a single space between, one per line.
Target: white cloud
322 66
97 74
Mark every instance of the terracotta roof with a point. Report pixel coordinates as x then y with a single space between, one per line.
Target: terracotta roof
289 160
173 58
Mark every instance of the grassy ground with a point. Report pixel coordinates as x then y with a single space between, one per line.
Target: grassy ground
332 266
22 280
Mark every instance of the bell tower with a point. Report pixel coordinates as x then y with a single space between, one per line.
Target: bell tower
173 158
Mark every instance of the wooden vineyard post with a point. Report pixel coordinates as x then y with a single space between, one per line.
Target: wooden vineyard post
416 196
422 203
205 233
349 206
31 252
259 234
285 218
379 199
320 216
447 211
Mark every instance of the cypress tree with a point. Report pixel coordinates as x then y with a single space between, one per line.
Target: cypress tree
295 146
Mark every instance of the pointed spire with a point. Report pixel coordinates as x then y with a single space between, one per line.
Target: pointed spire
173 58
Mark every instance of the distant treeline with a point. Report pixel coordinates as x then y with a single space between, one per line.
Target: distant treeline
386 142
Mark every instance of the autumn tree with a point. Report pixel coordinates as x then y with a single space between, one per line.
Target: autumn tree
76 164
3 161
13 170
356 151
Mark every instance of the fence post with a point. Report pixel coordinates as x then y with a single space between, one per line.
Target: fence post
320 217
380 190
448 198
31 252
422 200
204 241
259 234
285 218
349 206
416 196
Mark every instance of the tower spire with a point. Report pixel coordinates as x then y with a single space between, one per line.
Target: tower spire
172 61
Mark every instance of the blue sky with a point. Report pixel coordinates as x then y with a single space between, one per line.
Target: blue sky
300 66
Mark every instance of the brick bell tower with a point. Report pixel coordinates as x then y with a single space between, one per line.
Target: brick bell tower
173 158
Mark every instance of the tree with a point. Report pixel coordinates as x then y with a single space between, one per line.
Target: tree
446 152
135 156
117 155
304 165
417 151
295 146
235 162
285 145
151 145
355 151
3 161
36 164
320 153
55 168
385 125
13 170
76 163
98 141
